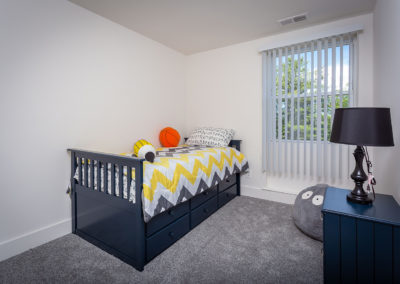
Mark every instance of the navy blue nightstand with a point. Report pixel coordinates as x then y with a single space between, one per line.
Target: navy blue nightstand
361 242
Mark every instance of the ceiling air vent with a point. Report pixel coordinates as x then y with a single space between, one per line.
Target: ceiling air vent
299 18
293 19
286 21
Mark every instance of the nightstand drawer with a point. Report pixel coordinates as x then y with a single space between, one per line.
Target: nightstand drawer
204 211
166 237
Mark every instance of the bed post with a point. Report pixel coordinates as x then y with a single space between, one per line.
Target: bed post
140 244
72 191
236 144
238 184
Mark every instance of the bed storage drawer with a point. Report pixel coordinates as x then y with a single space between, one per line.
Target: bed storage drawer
227 182
166 237
165 218
203 197
227 195
201 213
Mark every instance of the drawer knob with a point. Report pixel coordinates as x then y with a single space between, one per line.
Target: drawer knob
205 210
227 180
171 234
205 192
171 213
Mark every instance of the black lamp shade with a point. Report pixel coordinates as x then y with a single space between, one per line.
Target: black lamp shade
362 126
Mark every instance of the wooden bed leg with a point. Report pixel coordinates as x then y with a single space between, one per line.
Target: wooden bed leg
73 207
140 244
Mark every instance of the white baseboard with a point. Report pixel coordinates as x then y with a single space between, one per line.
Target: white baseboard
33 239
268 194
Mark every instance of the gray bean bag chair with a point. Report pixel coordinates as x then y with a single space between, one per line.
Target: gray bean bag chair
307 210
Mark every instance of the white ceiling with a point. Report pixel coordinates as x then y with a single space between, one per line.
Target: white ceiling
192 26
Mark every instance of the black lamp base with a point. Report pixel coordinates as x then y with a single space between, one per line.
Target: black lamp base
358 195
359 199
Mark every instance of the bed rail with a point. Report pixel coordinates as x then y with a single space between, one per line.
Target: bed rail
89 163
86 161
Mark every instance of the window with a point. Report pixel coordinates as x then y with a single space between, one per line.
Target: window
303 85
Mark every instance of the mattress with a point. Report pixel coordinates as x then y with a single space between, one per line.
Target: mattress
176 175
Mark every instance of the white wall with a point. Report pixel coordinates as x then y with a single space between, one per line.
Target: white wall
69 78
387 91
223 88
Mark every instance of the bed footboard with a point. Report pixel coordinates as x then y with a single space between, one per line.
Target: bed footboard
100 214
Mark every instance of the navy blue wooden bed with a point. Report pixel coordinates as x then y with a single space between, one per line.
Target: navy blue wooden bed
116 225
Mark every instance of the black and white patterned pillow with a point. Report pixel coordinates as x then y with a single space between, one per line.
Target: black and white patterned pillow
209 136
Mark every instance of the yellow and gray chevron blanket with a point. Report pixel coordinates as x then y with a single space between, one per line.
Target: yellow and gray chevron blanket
176 175
180 173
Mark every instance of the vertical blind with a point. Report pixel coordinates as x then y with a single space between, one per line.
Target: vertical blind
302 86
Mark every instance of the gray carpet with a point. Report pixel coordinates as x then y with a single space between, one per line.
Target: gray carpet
247 241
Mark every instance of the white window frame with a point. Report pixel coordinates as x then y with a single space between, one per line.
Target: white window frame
281 146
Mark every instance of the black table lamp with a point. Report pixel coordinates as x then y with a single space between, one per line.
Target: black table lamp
361 127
